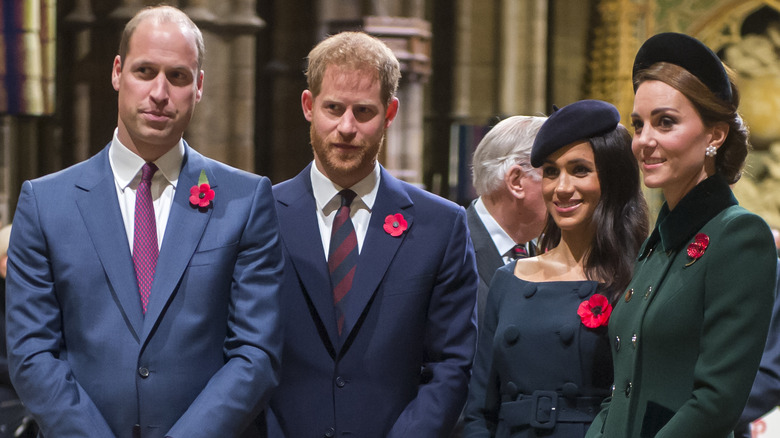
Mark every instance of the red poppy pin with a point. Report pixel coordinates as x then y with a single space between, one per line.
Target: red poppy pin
395 224
697 247
201 194
595 311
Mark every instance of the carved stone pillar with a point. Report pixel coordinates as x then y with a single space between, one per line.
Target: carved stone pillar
223 125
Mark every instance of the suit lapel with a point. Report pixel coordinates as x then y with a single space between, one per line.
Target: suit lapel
183 232
297 211
96 192
379 248
488 258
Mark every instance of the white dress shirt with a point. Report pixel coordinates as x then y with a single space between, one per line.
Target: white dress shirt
126 167
501 239
325 194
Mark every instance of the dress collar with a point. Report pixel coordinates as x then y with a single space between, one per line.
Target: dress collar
704 202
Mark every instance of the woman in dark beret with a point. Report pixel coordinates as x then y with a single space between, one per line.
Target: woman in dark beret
688 333
543 365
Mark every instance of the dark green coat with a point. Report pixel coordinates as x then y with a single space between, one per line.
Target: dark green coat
687 337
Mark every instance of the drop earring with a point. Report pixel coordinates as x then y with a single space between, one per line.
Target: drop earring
711 151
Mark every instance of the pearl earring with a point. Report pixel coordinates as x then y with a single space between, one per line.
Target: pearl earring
711 151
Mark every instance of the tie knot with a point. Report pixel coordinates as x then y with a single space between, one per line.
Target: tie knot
347 196
148 171
518 252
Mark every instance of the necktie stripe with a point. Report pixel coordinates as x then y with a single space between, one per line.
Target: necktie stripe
346 249
342 287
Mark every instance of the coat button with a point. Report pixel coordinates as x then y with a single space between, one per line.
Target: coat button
634 339
617 343
570 390
143 372
330 433
629 294
340 382
628 389
511 334
649 291
612 389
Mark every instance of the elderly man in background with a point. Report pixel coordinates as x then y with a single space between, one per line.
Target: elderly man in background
509 213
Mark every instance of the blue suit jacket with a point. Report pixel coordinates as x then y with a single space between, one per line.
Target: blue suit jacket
765 393
401 367
204 358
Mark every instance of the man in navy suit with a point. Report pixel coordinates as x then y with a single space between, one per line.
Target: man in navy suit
143 283
765 393
509 212
380 280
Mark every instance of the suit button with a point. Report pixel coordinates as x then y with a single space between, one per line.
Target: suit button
143 372
340 382
628 389
330 433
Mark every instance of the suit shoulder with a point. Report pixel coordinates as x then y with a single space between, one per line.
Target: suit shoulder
427 200
221 169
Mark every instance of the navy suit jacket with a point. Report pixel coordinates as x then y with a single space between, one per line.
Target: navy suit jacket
204 358
765 393
488 257
401 366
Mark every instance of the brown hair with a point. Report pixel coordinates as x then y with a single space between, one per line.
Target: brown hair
161 14
712 109
355 51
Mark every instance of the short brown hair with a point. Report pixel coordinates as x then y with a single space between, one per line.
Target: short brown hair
712 109
355 51
161 14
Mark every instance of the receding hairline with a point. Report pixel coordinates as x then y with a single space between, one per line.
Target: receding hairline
160 15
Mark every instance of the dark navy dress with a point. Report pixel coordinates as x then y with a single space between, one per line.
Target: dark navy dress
539 372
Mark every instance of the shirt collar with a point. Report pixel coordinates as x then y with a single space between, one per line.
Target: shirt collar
325 190
126 165
500 237
704 202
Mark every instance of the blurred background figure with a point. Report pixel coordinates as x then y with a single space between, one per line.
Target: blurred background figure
509 213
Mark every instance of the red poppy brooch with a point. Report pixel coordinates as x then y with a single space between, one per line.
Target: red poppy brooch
395 224
697 247
201 194
595 311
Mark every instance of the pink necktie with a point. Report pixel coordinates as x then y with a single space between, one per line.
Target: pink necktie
145 249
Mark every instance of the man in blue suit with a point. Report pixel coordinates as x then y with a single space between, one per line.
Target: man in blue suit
143 283
380 279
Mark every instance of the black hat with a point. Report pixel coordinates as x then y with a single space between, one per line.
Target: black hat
577 121
688 53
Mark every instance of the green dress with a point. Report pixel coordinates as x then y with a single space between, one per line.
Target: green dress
688 333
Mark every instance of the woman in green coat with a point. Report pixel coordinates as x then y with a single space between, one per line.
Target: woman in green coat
688 333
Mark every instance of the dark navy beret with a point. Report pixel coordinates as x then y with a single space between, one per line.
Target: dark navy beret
688 53
577 121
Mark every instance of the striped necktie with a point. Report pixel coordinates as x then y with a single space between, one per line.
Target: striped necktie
342 255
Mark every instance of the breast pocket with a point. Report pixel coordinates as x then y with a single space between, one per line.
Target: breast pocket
219 255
